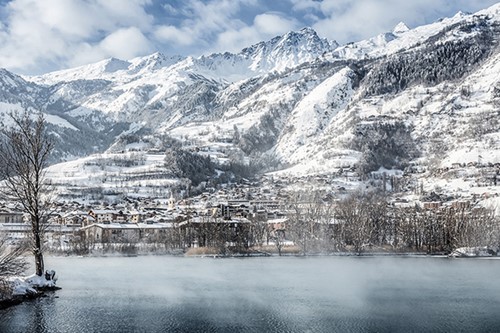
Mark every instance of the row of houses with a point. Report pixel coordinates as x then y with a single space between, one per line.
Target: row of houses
223 218
181 225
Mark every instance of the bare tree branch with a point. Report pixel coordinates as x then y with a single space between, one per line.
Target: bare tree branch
24 154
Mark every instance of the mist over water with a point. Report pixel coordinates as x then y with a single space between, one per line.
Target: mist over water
278 294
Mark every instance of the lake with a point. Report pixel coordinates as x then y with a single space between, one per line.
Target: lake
276 294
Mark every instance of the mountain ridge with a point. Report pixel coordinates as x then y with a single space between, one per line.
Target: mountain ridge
308 104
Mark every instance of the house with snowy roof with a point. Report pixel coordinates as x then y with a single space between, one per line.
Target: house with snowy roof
10 216
127 232
108 215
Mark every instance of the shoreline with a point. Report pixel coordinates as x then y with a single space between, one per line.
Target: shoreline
18 299
275 255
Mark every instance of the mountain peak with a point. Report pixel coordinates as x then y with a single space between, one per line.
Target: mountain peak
9 78
305 37
307 31
460 14
153 62
400 28
112 65
288 50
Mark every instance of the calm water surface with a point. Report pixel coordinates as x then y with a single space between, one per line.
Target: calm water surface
326 294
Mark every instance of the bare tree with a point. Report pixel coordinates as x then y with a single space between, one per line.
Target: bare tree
24 154
12 261
298 226
308 218
279 239
357 227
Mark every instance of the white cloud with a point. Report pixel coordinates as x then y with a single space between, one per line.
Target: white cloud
79 18
213 16
53 33
170 9
206 23
125 43
85 53
174 34
271 24
352 20
235 40
264 26
305 5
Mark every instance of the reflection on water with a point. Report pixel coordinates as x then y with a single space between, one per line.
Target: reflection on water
330 294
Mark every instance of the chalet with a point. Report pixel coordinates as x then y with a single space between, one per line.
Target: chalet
107 215
19 231
55 218
75 218
432 205
121 217
102 215
111 233
57 232
9 216
137 217
277 224
126 232
463 204
15 231
268 205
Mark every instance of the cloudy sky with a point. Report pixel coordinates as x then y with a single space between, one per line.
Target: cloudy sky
38 36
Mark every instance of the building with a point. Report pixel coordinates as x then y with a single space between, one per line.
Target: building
9 216
107 215
127 232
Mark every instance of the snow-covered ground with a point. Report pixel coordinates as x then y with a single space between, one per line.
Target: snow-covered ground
132 173
22 286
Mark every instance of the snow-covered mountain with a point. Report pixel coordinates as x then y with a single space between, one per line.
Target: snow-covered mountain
417 99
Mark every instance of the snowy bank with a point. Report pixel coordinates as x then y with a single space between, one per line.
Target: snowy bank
477 251
27 287
44 282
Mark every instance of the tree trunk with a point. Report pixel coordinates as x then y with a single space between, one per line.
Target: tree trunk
39 262
37 252
37 245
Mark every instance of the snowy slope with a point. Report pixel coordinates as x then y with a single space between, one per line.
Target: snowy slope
313 114
133 174
431 94
163 92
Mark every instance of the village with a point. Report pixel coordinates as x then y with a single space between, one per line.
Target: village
255 218
202 221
